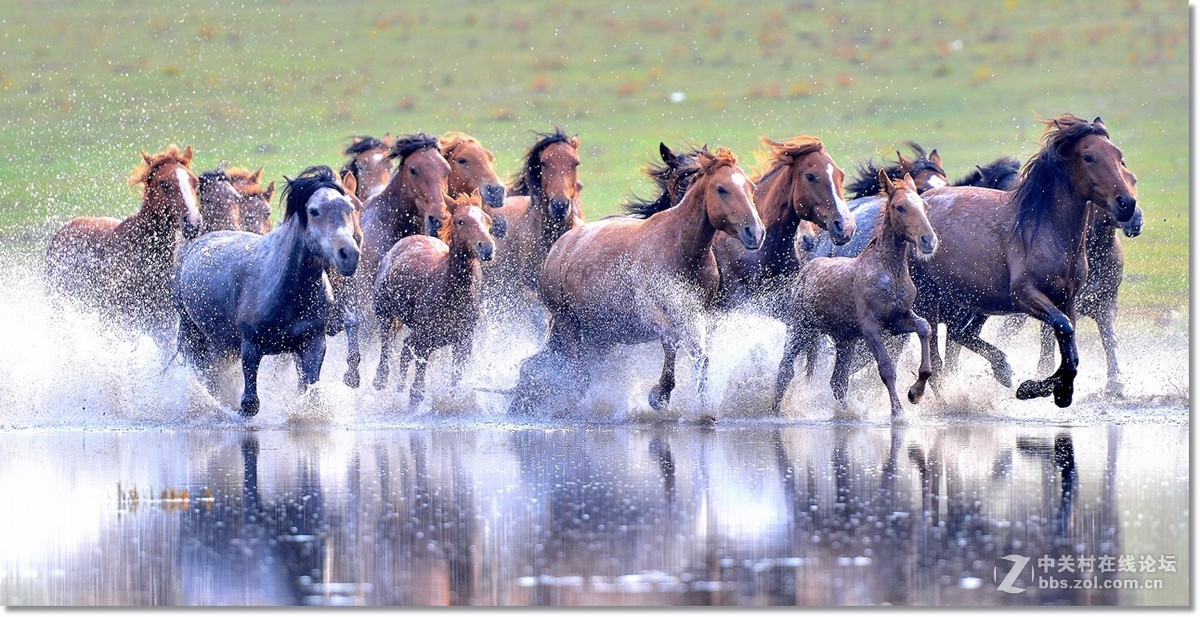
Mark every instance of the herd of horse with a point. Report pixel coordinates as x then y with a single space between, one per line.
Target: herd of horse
415 232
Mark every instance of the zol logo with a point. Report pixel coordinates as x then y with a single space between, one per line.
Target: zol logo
1019 562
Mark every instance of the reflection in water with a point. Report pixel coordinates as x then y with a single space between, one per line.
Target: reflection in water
551 515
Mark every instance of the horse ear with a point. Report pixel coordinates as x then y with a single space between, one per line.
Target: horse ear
187 156
256 176
905 164
668 157
935 158
349 182
912 184
146 157
574 141
885 182
270 191
1098 122
476 197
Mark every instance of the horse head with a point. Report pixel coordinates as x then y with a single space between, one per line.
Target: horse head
728 197
905 214
1095 166
560 185
471 168
926 170
424 178
470 230
326 217
816 185
169 187
370 164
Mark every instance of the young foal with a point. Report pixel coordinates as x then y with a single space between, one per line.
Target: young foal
123 267
241 293
862 297
431 285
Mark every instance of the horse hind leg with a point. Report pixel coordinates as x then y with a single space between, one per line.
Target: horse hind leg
1106 322
417 393
840 380
660 394
792 346
970 339
387 336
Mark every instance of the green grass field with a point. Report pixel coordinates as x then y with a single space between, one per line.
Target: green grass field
85 86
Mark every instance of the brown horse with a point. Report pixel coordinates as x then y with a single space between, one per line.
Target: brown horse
370 163
543 203
1024 251
123 267
800 183
234 200
624 280
431 285
471 169
412 203
254 209
852 298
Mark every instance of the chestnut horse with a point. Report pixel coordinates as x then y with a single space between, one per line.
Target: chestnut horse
239 293
624 280
852 298
431 285
543 203
123 267
471 168
370 163
412 203
234 202
1025 251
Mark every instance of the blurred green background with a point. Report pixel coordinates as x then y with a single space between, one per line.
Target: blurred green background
85 85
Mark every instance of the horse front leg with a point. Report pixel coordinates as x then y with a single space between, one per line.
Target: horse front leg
913 323
660 394
873 338
839 382
417 393
793 344
353 352
1062 382
387 335
311 355
251 357
1106 320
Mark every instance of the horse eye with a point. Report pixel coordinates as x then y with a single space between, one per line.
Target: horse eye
461 161
900 209
412 171
1089 158
461 223
811 177
315 213
722 190
164 185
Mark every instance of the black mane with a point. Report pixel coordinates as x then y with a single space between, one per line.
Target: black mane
408 144
866 182
528 181
1043 175
213 175
363 143
677 172
1001 174
301 189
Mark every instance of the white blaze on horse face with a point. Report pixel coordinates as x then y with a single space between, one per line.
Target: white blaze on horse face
843 209
914 201
936 182
189 198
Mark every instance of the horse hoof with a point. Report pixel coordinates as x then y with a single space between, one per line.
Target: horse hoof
707 419
1003 374
1033 388
1115 389
351 379
915 394
1063 392
249 408
659 398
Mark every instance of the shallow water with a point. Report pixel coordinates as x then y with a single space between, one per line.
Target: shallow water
496 514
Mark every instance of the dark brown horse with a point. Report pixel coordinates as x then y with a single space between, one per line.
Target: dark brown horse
543 203
431 285
240 294
852 298
123 267
624 280
370 163
412 203
1025 251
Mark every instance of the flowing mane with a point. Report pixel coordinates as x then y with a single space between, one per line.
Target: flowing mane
780 154
528 181
410 144
144 169
453 139
360 144
866 181
300 189
1043 175
213 175
664 176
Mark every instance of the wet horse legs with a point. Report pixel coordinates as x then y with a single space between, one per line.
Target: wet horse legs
660 394
1062 382
793 344
251 357
309 359
353 353
387 335
873 337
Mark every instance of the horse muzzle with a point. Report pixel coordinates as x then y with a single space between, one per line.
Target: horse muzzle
493 195
190 226
499 226
1126 206
927 244
752 237
1133 228
433 224
346 261
486 250
559 208
841 230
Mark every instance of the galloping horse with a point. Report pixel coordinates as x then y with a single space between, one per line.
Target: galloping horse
370 163
623 280
239 293
413 202
123 267
543 203
431 285
1025 251
471 169
233 200
852 298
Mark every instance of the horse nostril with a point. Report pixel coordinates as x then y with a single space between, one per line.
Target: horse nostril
343 254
